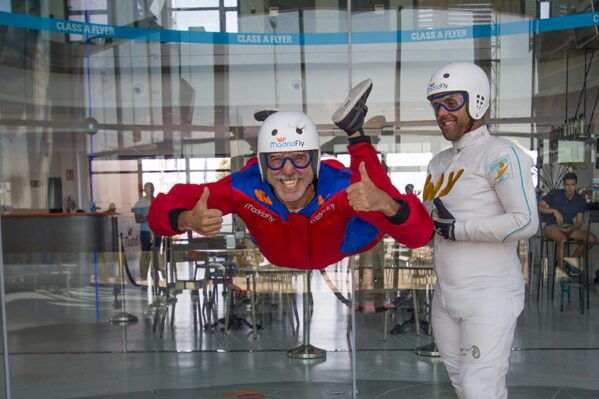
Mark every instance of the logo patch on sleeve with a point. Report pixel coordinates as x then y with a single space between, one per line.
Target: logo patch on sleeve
500 170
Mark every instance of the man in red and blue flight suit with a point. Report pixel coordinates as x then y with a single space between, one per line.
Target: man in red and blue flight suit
300 211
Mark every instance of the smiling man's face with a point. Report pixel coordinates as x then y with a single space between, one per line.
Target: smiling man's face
293 186
453 124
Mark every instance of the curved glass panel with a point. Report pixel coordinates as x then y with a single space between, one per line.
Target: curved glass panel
105 103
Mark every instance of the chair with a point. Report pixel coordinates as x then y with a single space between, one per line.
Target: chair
399 282
535 260
201 280
543 261
419 279
592 216
259 279
567 284
369 294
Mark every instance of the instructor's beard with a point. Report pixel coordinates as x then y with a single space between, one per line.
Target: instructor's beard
291 193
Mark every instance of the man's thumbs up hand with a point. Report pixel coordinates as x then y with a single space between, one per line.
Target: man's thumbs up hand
365 196
364 173
202 219
203 201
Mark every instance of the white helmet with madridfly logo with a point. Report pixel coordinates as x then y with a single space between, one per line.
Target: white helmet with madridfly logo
465 77
288 131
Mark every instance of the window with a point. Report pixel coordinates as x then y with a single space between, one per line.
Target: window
90 11
206 15
121 181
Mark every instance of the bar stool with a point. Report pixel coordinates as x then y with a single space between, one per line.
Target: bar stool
593 217
584 263
544 247
574 282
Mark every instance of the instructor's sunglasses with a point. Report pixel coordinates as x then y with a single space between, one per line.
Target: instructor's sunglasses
300 160
452 102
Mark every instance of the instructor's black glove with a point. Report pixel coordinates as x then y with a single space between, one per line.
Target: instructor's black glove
444 220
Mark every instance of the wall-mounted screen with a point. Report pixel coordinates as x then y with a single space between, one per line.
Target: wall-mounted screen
570 151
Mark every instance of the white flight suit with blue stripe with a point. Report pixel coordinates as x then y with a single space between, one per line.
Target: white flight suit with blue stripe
480 288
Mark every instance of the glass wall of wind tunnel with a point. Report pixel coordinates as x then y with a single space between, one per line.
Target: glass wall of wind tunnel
394 284
540 79
292 59
86 122
59 247
48 255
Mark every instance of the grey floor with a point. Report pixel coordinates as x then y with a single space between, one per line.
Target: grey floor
62 345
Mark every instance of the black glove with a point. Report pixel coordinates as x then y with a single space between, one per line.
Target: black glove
444 220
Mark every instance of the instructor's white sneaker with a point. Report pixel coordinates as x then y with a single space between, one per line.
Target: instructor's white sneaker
350 115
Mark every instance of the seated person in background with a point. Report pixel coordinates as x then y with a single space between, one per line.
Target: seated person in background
562 211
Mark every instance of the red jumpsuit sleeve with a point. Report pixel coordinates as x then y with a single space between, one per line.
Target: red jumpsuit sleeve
185 196
417 229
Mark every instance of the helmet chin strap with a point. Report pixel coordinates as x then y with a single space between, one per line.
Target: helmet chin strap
469 125
473 122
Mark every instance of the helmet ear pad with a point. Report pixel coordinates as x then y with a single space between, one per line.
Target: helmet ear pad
466 77
288 131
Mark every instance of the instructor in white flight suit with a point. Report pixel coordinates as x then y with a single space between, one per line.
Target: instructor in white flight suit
484 203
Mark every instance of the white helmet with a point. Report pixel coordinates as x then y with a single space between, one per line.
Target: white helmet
287 131
463 76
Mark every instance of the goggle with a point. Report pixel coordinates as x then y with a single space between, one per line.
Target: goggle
300 160
450 101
